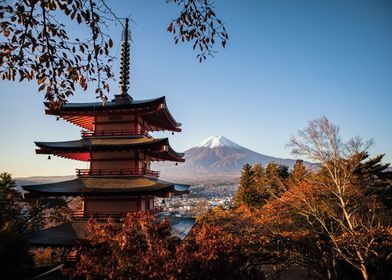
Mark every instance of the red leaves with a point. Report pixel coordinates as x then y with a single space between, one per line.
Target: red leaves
37 45
197 23
140 247
137 247
38 42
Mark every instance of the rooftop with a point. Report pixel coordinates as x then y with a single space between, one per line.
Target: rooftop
109 186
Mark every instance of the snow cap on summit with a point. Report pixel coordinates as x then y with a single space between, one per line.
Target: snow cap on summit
217 141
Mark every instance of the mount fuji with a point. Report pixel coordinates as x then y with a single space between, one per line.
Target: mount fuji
215 160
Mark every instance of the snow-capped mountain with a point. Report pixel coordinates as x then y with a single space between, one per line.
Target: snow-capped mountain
217 141
215 159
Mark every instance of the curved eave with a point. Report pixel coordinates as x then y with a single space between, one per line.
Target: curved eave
153 111
179 226
181 189
83 145
175 190
162 119
159 149
64 235
67 234
80 156
96 107
169 155
108 186
170 116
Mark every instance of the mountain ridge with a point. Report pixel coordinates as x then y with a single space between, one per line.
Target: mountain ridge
217 160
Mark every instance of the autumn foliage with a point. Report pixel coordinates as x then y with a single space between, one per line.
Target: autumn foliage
137 248
331 222
142 247
38 42
304 226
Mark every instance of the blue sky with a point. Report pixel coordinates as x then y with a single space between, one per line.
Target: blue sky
286 62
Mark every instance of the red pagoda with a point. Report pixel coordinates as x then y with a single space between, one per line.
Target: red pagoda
115 140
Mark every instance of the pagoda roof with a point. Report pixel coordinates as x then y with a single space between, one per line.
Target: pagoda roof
153 111
67 149
64 235
67 234
179 226
93 186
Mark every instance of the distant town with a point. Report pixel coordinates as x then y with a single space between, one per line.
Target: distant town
200 200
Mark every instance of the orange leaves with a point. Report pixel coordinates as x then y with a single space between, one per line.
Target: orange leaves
37 45
198 24
211 253
138 246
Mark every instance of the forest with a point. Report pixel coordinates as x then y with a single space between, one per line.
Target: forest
332 222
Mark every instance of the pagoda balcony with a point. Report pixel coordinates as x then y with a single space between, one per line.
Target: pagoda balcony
116 172
82 215
119 132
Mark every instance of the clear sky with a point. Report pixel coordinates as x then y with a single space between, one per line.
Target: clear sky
286 62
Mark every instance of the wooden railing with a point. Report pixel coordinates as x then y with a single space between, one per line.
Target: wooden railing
82 215
120 132
116 172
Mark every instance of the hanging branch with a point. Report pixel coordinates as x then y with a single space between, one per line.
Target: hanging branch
38 42
198 24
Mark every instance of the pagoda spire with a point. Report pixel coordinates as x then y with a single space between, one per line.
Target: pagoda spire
125 60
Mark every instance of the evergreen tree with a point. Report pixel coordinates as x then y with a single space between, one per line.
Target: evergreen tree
15 260
283 171
243 194
247 175
259 174
298 174
259 184
376 178
276 178
10 212
261 193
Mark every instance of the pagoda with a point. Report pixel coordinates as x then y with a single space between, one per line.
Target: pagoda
116 142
